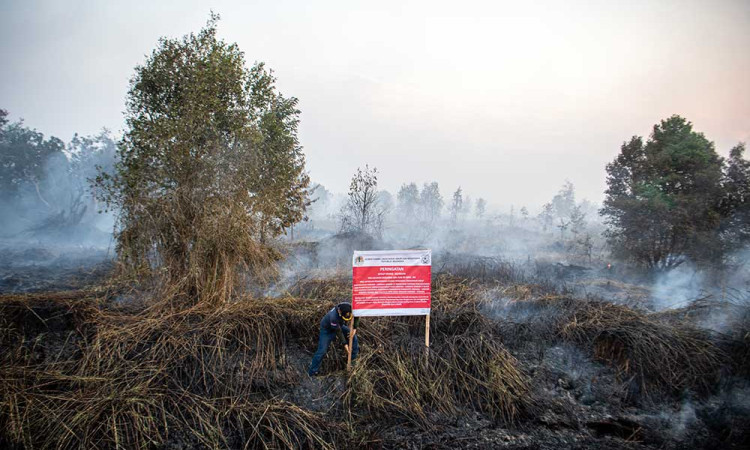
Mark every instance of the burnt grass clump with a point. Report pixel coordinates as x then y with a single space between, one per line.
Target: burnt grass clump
512 363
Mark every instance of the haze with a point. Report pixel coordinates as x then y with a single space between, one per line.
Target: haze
506 99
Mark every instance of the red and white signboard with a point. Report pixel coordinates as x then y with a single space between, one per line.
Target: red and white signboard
391 283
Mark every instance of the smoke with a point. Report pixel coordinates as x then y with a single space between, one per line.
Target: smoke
460 234
51 202
714 301
677 288
52 235
678 424
738 277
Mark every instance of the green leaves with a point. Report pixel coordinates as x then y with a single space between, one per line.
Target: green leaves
664 197
206 138
23 154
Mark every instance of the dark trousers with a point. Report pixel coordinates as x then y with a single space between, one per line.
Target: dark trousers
325 339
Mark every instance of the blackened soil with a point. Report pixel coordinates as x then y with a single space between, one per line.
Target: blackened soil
32 269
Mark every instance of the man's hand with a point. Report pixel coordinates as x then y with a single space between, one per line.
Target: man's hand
349 335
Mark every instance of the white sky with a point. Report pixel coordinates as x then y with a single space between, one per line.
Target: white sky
506 99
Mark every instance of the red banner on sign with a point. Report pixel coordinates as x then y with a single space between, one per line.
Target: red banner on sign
391 290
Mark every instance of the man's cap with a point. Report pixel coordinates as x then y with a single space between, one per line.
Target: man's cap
345 309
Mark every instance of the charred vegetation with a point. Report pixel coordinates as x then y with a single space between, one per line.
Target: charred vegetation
83 370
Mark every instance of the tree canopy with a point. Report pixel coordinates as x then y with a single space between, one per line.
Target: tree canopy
210 167
664 198
735 204
23 155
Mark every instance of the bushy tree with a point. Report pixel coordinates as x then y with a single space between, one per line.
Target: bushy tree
210 167
24 153
91 156
663 197
387 204
46 183
67 182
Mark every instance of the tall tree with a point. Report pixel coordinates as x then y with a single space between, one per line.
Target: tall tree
547 216
457 205
480 208
431 204
577 220
408 203
468 203
363 212
663 195
209 167
564 201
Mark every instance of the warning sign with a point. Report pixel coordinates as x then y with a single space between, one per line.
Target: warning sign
391 283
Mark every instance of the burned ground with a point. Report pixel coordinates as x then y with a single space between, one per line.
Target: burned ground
516 361
44 268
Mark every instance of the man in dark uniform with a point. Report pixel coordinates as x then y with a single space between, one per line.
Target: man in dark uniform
329 326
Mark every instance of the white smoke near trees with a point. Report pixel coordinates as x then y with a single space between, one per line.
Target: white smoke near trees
46 197
677 288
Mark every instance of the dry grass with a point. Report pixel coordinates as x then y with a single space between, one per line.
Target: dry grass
671 358
658 356
210 375
467 366
79 372
469 371
203 375
330 289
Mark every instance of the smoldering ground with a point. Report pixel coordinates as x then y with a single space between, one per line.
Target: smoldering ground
573 372
599 376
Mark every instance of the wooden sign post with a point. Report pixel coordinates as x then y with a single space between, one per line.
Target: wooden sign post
349 349
427 333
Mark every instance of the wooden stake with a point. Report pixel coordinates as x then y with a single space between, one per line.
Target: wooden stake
351 343
427 333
